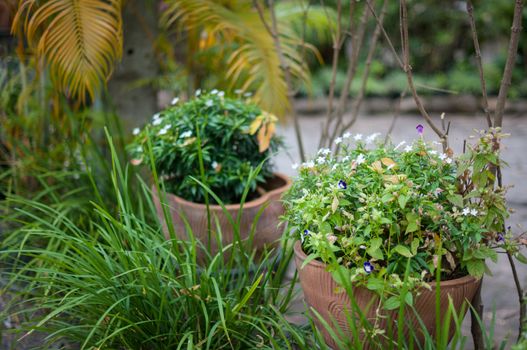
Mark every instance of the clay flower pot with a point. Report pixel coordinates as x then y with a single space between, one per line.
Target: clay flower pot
267 230
320 293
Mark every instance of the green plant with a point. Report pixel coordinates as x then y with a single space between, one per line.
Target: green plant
235 135
367 211
121 284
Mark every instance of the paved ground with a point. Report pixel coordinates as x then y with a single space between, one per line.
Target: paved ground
498 290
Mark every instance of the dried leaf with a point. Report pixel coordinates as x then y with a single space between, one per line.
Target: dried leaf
335 204
376 166
388 162
255 125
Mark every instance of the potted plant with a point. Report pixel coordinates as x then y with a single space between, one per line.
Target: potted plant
390 219
220 141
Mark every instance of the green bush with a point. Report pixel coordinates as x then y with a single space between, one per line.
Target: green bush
231 135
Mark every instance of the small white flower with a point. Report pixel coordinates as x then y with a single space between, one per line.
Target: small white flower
156 116
139 149
465 211
443 156
247 94
372 137
214 92
186 134
338 140
136 131
357 137
309 164
157 121
295 166
400 144
390 166
209 103
214 165
162 131
473 212
334 167
360 159
346 158
324 151
448 160
198 92
408 148
347 135
175 100
221 94
362 246
238 91
433 152
321 160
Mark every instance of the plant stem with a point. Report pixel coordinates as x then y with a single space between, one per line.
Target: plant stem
470 11
509 65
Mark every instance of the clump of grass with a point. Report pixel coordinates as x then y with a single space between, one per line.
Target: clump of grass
119 284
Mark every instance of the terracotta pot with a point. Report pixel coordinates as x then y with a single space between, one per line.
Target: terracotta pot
320 294
267 230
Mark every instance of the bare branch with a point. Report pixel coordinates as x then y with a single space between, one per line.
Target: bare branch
509 65
337 46
373 46
408 70
470 11
396 115
350 74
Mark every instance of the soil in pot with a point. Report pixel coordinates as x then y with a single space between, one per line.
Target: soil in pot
321 292
265 210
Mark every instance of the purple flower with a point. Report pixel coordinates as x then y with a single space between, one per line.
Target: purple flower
368 267
306 233
342 185
419 129
500 237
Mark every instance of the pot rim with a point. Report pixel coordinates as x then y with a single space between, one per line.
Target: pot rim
250 204
320 265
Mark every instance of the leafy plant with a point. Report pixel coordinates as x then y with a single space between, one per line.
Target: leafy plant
235 136
369 210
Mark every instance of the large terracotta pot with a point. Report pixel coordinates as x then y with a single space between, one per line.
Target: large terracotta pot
267 230
321 293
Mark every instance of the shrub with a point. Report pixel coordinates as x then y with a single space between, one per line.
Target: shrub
232 136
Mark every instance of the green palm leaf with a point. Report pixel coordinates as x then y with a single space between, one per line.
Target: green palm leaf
79 39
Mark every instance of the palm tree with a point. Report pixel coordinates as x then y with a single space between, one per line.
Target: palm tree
81 40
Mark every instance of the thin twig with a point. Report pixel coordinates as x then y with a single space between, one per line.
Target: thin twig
273 31
470 11
337 46
350 74
509 65
373 46
408 70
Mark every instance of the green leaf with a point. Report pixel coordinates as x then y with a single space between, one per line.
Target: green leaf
476 268
334 204
415 245
413 222
374 250
520 257
402 201
409 298
456 199
375 284
402 250
392 303
326 227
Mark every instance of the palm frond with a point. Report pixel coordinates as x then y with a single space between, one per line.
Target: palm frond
80 40
254 64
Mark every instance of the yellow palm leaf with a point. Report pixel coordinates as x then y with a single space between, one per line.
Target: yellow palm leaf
254 64
80 40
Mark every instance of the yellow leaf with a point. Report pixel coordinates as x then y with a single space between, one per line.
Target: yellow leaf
388 162
255 125
335 204
376 166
